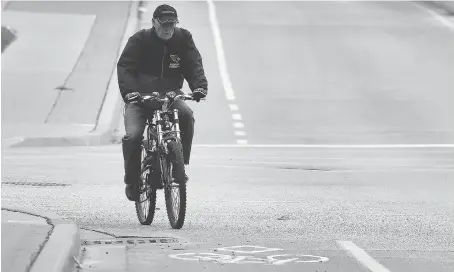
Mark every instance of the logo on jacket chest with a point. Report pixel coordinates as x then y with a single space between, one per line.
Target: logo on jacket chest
174 61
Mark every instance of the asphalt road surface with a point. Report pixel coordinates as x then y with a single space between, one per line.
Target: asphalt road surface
374 77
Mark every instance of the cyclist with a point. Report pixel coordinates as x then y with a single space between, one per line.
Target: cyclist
157 59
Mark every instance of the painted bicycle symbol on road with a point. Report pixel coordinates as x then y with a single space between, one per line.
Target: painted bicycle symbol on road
235 258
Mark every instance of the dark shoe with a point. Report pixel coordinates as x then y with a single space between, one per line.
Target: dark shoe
132 192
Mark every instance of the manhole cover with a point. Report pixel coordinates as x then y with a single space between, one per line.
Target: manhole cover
122 241
37 184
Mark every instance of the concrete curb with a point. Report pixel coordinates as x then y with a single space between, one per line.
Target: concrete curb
110 112
60 251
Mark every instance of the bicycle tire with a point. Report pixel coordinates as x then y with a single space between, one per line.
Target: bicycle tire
175 159
146 217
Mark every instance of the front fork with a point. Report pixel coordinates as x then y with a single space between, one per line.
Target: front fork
160 131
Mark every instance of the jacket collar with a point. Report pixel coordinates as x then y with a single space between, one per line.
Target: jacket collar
154 36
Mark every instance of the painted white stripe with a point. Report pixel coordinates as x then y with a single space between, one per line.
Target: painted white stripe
241 142
220 51
363 257
236 116
365 146
240 133
233 107
238 125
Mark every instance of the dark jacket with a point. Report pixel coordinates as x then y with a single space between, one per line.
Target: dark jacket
149 64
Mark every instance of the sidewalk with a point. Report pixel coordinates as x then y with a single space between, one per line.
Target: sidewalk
39 243
69 85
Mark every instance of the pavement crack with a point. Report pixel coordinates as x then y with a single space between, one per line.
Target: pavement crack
41 246
63 87
102 232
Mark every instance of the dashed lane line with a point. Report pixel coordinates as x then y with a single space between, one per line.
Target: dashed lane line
227 84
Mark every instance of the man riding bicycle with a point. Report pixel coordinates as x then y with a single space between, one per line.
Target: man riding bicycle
158 59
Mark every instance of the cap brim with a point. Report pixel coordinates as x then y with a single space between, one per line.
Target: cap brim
168 19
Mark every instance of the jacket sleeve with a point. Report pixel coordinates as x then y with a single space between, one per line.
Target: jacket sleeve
128 64
193 70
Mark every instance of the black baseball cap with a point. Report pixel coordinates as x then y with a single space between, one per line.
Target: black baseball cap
165 13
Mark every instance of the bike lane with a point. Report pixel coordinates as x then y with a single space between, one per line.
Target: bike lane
141 255
218 257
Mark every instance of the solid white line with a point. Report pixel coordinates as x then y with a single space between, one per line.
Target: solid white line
236 116
363 257
238 125
233 107
365 146
220 51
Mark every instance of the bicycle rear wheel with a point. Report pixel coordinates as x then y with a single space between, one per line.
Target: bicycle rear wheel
146 206
175 187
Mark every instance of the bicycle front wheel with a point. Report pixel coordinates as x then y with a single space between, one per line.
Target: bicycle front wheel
175 187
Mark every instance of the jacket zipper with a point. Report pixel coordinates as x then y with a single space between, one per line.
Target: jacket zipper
162 66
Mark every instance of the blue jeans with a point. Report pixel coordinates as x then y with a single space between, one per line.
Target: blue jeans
135 120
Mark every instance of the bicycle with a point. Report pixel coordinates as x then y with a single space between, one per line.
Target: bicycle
162 164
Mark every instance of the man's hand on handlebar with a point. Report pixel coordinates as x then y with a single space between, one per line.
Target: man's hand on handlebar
198 94
133 97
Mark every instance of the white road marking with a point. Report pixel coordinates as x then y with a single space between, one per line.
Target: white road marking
238 125
249 259
363 257
240 142
346 146
248 249
227 84
233 107
236 116
240 133
220 51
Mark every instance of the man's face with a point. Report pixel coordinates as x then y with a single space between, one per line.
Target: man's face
164 30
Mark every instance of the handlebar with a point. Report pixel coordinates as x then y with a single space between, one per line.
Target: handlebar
167 97
177 97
